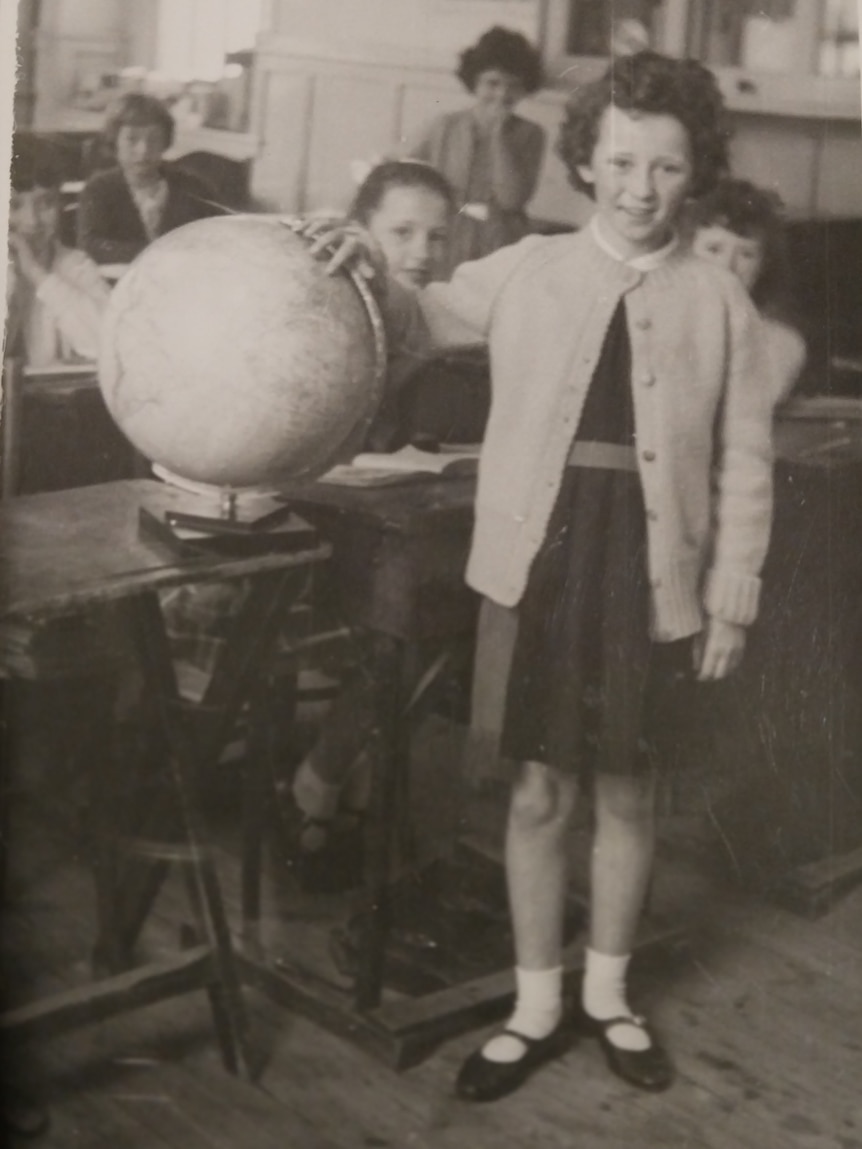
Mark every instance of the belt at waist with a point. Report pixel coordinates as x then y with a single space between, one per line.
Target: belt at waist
610 456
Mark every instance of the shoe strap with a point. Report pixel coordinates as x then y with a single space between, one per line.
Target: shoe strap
310 821
528 1042
634 1019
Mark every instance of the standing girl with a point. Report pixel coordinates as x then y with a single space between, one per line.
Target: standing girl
624 505
489 155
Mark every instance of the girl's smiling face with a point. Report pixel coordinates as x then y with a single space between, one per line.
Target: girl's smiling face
411 226
641 171
742 254
496 92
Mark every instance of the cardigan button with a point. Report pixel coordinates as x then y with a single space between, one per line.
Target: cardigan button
652 516
643 324
648 380
648 456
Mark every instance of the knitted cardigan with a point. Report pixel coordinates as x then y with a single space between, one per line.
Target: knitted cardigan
703 426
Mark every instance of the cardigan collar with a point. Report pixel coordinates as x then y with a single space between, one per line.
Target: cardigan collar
648 262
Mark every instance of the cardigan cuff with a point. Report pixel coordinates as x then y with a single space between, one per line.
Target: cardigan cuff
732 597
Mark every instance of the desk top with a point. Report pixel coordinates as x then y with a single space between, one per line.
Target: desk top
416 507
66 549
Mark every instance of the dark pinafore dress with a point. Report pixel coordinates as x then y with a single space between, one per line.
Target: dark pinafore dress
584 666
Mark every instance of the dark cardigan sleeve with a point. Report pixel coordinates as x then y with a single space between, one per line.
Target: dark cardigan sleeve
109 228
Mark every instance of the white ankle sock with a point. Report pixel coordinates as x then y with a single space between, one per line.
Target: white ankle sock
538 1009
604 997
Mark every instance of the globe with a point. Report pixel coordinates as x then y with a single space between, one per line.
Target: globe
230 357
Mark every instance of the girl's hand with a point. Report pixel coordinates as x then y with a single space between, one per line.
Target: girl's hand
344 243
718 650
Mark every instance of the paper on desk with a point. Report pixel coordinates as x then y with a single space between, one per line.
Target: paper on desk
409 463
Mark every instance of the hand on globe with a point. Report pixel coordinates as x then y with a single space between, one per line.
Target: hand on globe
346 244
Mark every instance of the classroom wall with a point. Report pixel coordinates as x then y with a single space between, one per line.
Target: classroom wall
340 80
80 37
316 110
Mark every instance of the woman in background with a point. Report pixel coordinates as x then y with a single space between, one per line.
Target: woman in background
124 209
739 226
489 155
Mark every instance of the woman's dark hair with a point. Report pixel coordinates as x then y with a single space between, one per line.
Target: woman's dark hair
755 213
503 50
397 174
136 110
33 165
658 85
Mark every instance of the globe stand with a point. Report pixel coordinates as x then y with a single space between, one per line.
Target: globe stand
234 530
229 521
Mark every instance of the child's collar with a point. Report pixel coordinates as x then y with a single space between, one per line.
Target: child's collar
648 262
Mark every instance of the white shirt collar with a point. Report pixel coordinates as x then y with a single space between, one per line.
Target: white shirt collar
646 262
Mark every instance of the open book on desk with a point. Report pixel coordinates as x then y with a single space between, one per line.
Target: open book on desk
408 464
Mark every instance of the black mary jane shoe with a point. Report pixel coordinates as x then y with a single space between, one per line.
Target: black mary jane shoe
649 1068
481 1079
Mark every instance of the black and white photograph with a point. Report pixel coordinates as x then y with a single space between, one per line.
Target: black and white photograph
431 574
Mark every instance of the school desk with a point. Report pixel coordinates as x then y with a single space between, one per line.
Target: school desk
80 553
399 555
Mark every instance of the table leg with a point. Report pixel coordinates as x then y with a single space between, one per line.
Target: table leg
391 741
266 716
248 648
109 953
154 651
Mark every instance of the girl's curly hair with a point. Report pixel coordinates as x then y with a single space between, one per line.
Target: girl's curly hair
755 213
658 85
500 48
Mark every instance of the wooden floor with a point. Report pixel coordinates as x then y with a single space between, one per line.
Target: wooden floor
762 1011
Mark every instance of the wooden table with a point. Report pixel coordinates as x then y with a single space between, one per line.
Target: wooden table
72 552
399 554
789 735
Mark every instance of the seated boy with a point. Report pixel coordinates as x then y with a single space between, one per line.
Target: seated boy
55 296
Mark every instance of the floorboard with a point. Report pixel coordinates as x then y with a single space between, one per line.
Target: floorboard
761 1009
